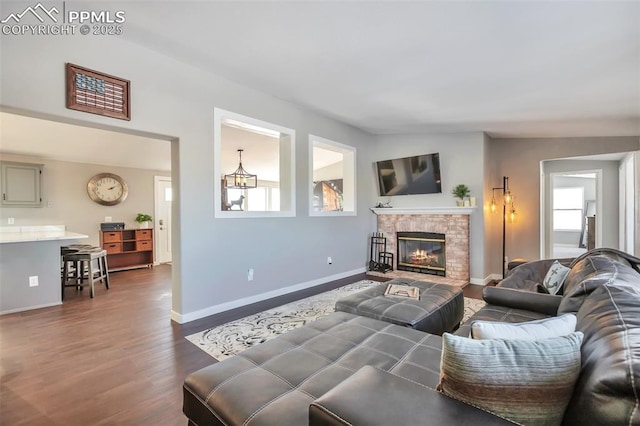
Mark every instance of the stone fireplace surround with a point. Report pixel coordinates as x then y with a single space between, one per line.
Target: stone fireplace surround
451 221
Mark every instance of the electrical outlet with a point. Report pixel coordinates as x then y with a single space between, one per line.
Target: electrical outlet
250 274
10 221
33 281
329 260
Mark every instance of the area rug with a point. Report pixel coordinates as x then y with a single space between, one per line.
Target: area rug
231 338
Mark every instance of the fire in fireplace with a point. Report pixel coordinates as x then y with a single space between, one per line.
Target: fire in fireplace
421 252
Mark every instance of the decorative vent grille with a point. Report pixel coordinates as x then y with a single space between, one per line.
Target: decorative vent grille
97 93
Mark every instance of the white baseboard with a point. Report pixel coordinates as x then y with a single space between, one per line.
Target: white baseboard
227 306
29 308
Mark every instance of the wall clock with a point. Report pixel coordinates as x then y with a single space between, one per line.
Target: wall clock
107 189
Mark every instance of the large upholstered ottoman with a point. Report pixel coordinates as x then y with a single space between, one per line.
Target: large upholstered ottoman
439 309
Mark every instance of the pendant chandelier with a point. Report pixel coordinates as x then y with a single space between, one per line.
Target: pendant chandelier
241 179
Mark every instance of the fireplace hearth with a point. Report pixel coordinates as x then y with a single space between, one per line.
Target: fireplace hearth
422 252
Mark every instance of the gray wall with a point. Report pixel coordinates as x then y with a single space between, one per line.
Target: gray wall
461 159
490 224
520 160
66 201
173 100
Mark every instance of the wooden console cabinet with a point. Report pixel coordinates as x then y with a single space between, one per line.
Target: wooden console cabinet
128 248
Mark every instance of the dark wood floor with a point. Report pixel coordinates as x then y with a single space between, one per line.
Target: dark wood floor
114 359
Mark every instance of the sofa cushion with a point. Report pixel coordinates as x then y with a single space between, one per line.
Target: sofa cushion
375 397
541 289
274 382
531 330
554 278
592 272
529 382
498 313
608 389
528 275
522 299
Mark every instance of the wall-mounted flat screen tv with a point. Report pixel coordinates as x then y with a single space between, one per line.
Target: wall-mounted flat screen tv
409 175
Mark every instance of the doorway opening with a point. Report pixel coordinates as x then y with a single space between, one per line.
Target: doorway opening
573 212
72 151
614 209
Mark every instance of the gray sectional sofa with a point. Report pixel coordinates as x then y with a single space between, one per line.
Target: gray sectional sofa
344 369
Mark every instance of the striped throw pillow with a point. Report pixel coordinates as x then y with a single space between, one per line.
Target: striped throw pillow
528 382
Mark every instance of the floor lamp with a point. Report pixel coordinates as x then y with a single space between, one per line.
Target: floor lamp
507 200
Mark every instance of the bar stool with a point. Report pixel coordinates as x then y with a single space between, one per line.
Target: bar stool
70 268
82 261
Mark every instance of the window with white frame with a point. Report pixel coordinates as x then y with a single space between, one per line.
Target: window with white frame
333 178
262 198
568 204
263 153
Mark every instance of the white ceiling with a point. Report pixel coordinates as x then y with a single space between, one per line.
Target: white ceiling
52 140
260 154
511 69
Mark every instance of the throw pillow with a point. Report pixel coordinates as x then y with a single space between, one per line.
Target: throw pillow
528 382
555 277
530 330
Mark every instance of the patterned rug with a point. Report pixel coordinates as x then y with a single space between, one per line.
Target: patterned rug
231 338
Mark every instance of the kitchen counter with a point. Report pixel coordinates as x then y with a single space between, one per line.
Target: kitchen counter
26 252
23 234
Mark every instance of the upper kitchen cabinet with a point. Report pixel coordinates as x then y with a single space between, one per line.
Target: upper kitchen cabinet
21 184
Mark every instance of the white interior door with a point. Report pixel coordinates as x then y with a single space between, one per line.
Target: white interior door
162 223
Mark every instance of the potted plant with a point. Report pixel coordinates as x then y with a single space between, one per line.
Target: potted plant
461 191
144 220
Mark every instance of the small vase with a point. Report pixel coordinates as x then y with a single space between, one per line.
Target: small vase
466 203
144 225
460 203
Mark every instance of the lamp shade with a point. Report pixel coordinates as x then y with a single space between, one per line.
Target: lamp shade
507 197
